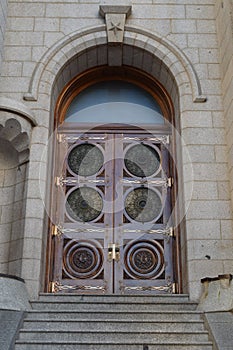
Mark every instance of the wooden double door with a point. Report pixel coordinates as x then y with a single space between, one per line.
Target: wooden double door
112 207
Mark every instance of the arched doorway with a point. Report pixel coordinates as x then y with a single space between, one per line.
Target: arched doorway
112 204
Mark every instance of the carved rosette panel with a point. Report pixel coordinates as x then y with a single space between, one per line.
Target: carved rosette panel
85 160
143 204
142 160
144 259
84 204
82 259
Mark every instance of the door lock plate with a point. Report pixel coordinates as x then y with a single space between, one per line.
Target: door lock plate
113 252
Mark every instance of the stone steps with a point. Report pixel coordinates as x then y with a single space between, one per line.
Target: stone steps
54 345
153 316
120 306
81 322
115 298
110 325
116 336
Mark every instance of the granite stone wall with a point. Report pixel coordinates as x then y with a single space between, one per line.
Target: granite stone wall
3 19
224 22
43 36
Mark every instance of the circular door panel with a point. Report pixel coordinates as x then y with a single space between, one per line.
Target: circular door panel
85 160
143 204
84 204
144 259
142 160
82 259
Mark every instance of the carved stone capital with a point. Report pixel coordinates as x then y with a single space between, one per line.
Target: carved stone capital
14 149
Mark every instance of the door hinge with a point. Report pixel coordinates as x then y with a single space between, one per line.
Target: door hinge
60 138
52 287
171 232
58 181
174 287
170 181
56 230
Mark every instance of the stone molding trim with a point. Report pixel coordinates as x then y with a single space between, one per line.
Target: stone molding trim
78 42
14 295
16 107
115 17
6 275
15 145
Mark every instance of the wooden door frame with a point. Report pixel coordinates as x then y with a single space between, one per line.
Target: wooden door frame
151 85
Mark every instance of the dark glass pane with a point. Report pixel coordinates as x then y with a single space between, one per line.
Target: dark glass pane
84 204
85 160
143 204
142 160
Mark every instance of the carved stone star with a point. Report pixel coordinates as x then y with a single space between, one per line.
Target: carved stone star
115 27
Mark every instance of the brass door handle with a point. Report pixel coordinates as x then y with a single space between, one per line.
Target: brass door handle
113 252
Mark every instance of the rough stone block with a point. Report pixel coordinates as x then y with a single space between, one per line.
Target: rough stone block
204 136
204 229
200 12
217 294
23 10
183 26
205 190
226 229
214 71
159 11
199 269
32 250
201 153
47 24
209 210
206 26
209 55
209 250
20 24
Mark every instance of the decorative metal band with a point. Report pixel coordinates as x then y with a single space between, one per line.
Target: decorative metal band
165 232
59 230
84 138
60 181
163 139
57 287
67 230
166 182
167 288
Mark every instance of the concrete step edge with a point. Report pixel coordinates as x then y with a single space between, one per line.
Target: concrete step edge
56 342
71 320
116 295
52 302
185 312
23 331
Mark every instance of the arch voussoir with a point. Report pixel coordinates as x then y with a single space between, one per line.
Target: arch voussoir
144 42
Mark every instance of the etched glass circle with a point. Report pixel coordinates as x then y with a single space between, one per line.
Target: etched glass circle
85 160
143 204
84 204
142 160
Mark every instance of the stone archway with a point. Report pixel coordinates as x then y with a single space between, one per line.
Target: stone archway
81 50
